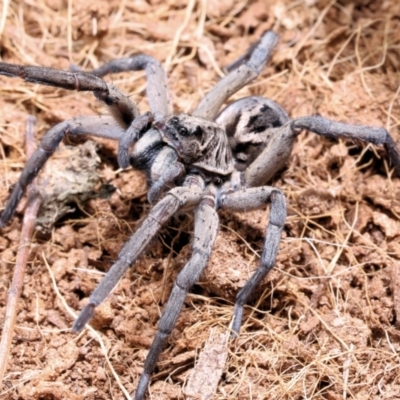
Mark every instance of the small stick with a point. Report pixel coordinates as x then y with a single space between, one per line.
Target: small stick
206 374
32 208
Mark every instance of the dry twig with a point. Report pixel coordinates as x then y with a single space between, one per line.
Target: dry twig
32 208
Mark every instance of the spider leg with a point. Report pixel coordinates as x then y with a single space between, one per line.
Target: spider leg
157 88
121 107
159 161
150 152
238 78
205 232
250 199
241 59
96 126
185 197
138 127
164 170
325 127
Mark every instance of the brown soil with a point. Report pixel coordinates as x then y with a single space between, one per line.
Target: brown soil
326 322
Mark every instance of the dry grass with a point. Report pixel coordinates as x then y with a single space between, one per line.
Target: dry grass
325 324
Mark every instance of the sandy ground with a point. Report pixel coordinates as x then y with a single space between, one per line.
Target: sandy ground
325 324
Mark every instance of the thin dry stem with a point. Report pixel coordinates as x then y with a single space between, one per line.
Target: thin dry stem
28 226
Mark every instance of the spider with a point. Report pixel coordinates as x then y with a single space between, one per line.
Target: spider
212 160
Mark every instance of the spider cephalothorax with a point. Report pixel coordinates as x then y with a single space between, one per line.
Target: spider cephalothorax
200 143
196 163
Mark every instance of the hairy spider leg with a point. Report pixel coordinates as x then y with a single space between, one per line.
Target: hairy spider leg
266 135
185 197
276 149
120 105
209 107
157 91
205 231
253 199
160 162
123 110
91 125
150 153
326 127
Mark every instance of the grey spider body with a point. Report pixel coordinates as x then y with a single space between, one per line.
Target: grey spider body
211 160
251 124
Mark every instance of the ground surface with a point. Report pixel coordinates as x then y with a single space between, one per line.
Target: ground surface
326 323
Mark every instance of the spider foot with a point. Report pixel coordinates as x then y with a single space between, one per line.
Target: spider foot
84 317
139 126
142 386
237 320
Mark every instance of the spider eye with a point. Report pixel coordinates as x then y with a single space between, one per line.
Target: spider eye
259 129
183 131
174 120
198 132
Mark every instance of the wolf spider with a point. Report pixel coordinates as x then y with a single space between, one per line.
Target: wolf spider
213 160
